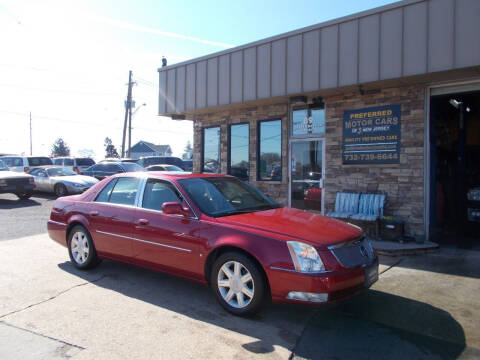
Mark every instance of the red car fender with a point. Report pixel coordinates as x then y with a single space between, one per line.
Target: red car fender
268 252
78 218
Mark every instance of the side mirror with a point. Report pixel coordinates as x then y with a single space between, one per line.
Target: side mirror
175 208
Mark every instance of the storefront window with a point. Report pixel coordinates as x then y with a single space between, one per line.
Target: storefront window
238 151
307 122
270 150
211 150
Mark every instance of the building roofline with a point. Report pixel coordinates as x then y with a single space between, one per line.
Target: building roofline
309 28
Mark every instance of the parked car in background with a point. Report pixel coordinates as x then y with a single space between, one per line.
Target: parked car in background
60 180
219 231
24 163
15 182
163 167
155 160
118 160
77 164
104 169
188 165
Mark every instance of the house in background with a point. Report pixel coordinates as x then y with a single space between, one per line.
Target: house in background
143 148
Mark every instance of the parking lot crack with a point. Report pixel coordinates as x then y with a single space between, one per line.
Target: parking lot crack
43 335
391 266
307 323
52 297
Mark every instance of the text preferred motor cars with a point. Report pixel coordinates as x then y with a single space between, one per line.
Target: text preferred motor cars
216 230
15 183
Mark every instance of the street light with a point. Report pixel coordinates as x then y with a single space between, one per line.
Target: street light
130 128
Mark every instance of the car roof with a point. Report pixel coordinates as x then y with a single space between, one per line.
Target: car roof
174 175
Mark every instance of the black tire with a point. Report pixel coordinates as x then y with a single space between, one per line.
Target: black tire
60 190
89 261
24 196
258 284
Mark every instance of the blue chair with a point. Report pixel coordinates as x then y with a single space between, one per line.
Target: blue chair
346 205
370 207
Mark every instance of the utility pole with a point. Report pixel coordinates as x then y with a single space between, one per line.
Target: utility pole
128 109
129 129
31 133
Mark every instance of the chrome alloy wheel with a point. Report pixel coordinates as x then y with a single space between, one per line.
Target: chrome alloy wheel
235 284
79 247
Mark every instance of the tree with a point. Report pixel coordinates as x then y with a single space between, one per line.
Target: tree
188 151
110 150
60 148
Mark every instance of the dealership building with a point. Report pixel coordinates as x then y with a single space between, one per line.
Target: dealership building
383 101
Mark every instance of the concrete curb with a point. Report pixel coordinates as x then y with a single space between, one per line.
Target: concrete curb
391 248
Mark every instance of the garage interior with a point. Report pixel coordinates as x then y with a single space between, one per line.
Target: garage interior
455 168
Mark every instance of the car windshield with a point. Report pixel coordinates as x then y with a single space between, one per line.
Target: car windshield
132 167
222 196
60 172
3 167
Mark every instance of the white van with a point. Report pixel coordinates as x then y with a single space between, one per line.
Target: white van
25 163
77 164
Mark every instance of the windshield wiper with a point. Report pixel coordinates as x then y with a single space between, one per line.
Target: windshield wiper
248 210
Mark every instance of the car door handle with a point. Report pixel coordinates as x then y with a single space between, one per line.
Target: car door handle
94 213
142 221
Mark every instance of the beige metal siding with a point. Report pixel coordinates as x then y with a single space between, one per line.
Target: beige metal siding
407 38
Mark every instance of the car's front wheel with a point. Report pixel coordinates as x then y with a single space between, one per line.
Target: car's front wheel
60 190
24 196
238 283
81 249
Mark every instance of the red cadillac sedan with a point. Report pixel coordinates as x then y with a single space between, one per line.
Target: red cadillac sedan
219 231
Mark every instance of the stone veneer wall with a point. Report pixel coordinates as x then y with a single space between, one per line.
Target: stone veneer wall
403 183
277 190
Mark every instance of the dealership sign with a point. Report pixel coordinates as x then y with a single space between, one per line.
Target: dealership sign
372 135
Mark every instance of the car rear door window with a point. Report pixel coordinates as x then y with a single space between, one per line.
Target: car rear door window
104 195
57 161
68 162
124 191
13 161
39 161
112 169
157 193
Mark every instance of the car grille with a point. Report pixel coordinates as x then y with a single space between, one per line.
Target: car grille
354 253
17 181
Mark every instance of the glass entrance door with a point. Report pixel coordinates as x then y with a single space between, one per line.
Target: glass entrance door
306 180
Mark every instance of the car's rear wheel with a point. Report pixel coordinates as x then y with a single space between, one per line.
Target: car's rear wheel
24 196
60 190
81 249
238 283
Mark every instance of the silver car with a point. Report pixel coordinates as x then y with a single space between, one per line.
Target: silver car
61 180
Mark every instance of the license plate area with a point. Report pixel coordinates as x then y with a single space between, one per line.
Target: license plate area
371 274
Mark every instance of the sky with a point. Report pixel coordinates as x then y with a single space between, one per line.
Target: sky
67 61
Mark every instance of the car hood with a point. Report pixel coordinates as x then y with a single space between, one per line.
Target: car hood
13 174
293 224
77 179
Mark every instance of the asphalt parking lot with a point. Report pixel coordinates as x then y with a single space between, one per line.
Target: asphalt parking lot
423 307
19 218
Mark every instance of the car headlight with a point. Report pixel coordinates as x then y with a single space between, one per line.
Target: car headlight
78 185
31 180
305 257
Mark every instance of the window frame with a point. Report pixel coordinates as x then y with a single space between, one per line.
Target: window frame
229 148
259 134
183 197
202 155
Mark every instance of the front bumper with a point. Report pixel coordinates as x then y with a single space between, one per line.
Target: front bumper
321 288
76 190
13 189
